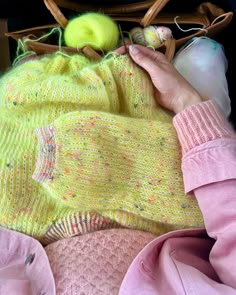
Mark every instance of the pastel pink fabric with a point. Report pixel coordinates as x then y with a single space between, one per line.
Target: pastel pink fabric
95 263
196 261
24 266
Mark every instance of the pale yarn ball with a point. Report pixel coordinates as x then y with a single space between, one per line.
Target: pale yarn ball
137 36
164 33
152 37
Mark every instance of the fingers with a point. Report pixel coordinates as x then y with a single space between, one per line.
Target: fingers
146 57
120 50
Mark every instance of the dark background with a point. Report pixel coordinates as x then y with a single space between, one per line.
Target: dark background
28 13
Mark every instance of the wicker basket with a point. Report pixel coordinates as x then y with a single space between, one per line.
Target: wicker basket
207 19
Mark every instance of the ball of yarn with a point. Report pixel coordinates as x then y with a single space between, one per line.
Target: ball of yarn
137 36
164 33
152 36
92 29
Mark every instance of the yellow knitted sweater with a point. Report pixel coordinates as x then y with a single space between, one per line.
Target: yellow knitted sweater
84 147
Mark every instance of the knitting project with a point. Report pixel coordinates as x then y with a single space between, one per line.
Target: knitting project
84 146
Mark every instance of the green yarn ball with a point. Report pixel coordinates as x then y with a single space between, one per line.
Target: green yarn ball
92 29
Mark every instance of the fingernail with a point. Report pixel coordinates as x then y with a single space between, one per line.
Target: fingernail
133 49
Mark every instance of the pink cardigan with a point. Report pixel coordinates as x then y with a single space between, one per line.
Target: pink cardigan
190 261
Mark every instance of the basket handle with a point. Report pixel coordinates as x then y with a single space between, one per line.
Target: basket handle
170 47
157 6
77 6
154 9
56 12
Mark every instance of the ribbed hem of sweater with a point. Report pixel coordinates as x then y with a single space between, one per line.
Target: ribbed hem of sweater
201 123
46 154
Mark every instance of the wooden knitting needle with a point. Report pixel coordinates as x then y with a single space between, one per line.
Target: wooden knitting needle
123 40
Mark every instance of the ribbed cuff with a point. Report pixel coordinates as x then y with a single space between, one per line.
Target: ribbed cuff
46 154
201 123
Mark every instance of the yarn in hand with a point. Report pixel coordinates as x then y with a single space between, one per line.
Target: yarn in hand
153 36
93 29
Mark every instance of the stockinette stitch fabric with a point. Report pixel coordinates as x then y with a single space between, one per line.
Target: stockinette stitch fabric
107 154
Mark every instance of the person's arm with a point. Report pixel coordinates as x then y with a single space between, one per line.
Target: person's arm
209 170
209 156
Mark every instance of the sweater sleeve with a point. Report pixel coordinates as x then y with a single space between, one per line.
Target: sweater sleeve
209 169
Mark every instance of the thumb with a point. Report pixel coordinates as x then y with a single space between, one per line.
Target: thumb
146 58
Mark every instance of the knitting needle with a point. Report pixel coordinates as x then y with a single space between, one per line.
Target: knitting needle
123 40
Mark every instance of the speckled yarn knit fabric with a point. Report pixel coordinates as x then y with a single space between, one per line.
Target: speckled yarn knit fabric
83 147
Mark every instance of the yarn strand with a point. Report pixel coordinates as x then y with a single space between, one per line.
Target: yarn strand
22 45
188 30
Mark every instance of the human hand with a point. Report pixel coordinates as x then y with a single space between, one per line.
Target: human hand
172 90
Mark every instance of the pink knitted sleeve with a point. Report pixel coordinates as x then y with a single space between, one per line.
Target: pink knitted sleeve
209 170
201 123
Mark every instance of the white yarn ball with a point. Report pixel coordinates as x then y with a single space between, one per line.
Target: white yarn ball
164 33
